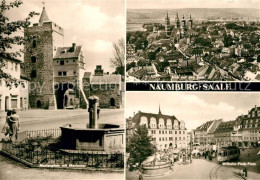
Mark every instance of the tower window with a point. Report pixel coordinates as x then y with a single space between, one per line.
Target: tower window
64 73
34 44
33 59
61 62
33 74
60 73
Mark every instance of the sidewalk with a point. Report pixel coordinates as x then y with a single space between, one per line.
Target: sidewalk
40 114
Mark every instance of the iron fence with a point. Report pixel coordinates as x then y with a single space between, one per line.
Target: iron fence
41 155
43 133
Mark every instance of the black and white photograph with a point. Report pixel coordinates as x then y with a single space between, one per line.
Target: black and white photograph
62 89
193 40
174 135
129 89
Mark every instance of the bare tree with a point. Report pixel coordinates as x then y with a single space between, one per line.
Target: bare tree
118 61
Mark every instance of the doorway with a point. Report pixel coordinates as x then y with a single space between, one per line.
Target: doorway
112 102
7 103
38 104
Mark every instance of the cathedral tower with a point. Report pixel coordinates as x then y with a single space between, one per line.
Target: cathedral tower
167 26
183 26
44 38
177 22
190 23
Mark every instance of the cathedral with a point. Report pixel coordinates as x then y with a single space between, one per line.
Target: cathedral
57 72
181 28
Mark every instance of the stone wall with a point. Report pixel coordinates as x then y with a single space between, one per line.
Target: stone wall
105 95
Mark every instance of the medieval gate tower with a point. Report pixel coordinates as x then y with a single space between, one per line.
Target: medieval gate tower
44 38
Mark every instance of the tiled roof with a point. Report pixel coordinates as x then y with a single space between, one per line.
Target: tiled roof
257 77
87 75
204 126
106 79
67 52
225 126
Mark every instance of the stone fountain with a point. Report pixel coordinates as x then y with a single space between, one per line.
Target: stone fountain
93 136
156 165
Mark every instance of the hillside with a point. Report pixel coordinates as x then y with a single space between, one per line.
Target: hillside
197 13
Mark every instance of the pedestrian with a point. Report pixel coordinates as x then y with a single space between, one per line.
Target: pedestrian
245 171
14 125
140 175
8 116
5 128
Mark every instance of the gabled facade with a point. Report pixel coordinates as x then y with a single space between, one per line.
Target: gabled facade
166 131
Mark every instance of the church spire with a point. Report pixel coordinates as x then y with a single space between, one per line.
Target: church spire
167 16
160 109
44 17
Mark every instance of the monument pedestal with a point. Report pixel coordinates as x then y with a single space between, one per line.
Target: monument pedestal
93 136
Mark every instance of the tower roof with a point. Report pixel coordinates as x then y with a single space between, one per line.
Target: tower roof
160 110
44 17
167 16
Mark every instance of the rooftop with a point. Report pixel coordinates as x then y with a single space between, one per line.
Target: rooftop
67 52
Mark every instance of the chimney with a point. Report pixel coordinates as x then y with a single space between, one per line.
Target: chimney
93 112
73 47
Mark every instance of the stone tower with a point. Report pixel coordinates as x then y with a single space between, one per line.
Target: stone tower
44 38
190 23
167 26
177 22
183 26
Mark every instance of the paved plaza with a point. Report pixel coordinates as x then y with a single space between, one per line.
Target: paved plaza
198 169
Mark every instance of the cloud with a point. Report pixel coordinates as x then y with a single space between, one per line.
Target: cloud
98 46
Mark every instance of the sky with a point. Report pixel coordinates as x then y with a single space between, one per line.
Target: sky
193 108
176 4
94 24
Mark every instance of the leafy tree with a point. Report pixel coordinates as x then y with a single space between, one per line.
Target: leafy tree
130 65
203 41
228 40
118 61
140 146
9 37
141 63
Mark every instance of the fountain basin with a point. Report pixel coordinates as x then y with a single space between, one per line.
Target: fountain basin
107 137
158 169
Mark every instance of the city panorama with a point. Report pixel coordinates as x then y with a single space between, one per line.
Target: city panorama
175 41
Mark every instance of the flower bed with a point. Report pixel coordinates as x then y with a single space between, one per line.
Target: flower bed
44 152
